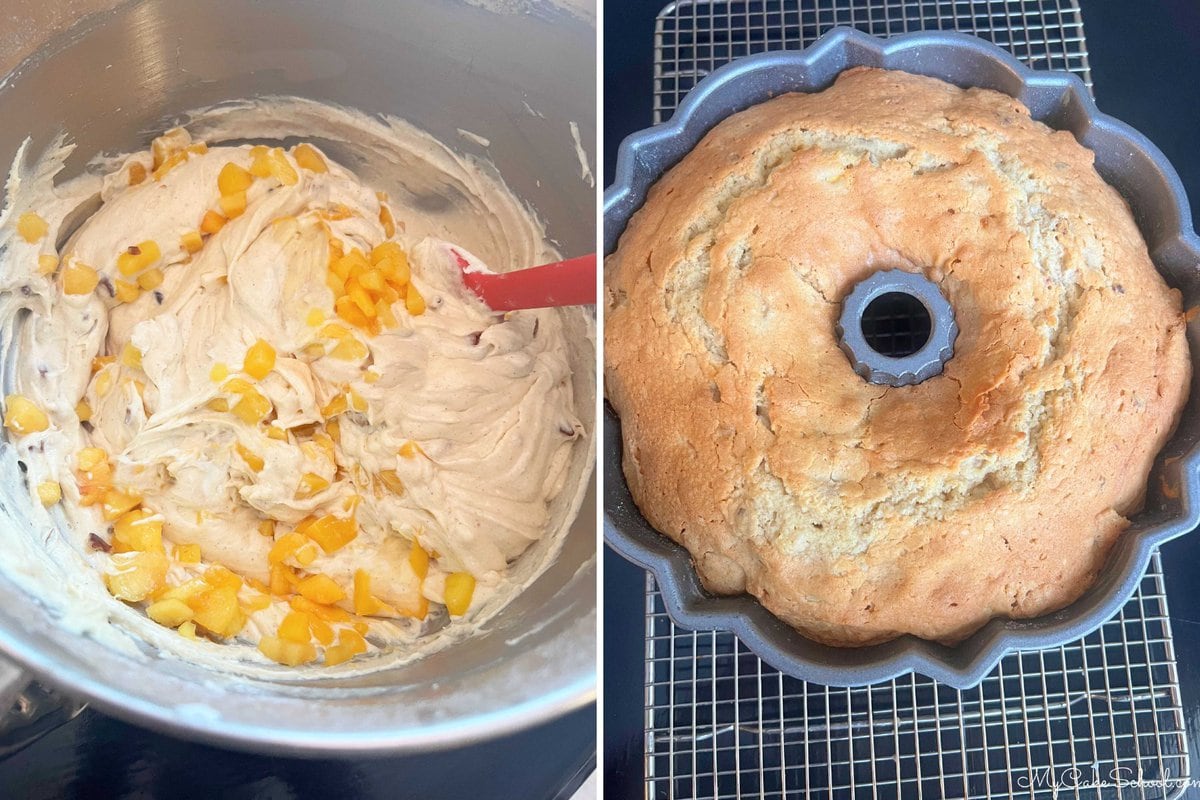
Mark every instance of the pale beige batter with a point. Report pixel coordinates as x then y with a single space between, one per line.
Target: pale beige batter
268 408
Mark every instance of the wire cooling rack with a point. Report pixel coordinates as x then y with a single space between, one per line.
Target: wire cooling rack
1098 718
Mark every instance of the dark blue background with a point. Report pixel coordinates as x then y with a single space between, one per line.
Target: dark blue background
1145 59
95 756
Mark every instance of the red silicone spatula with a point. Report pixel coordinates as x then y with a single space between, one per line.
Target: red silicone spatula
563 283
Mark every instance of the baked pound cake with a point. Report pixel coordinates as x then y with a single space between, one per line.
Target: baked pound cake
857 512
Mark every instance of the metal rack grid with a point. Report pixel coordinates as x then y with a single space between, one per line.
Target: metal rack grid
692 38
896 324
1098 718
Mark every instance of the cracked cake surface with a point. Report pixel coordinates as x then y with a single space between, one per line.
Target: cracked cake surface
855 512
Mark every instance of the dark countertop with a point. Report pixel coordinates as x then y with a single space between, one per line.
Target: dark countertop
1144 58
95 756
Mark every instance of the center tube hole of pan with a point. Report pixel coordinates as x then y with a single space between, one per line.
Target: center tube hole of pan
896 324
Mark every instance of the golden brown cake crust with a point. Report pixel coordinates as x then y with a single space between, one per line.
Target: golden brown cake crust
855 512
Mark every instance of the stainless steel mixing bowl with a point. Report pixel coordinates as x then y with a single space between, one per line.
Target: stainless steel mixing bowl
518 73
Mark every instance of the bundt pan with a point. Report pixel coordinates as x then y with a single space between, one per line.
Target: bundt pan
1125 159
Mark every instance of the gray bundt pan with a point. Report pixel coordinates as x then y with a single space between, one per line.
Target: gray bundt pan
1124 157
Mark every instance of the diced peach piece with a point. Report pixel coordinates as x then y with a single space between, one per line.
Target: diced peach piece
383 313
222 578
310 484
308 158
290 654
124 505
184 591
321 589
350 643
294 628
348 310
413 301
281 169
372 280
79 279
31 227
391 480
321 630
395 269
131 356
284 547
282 580
350 265
259 602
332 533
337 211
138 257
138 575
233 205
187 553
171 613
259 360
385 250
335 331
192 241
151 279
354 639
337 405
260 167
233 179
319 611
89 458
365 603
253 460
217 611
169 164
138 530
460 586
350 349
22 416
361 298
386 220
418 559
49 492
307 554
336 250
212 222
252 408
125 291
